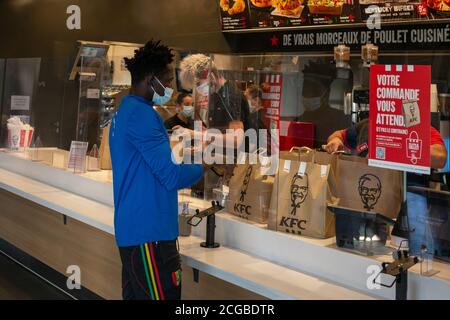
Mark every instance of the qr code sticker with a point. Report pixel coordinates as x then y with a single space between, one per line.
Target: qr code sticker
381 153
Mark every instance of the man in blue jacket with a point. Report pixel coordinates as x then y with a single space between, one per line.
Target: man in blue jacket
146 181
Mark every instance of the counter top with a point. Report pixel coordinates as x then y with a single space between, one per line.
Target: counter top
88 198
263 277
252 273
93 213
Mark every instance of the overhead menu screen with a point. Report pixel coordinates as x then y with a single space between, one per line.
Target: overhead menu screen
260 14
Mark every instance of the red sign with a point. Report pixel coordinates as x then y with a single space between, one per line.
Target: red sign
399 119
271 85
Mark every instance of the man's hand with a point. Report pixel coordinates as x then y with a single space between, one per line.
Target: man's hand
335 142
181 131
334 145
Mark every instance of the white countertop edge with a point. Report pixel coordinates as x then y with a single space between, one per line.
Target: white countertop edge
236 280
60 209
301 282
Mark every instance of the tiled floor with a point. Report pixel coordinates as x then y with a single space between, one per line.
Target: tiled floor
18 283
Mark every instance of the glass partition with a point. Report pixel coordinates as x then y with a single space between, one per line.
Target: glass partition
307 99
262 123
37 105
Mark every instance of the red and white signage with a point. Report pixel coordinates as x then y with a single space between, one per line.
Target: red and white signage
399 120
271 85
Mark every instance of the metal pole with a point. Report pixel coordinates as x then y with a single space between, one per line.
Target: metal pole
401 286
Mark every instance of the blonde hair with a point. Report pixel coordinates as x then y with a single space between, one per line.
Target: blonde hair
194 66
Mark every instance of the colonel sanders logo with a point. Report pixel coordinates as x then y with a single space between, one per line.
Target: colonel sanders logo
412 110
369 189
248 174
299 191
15 140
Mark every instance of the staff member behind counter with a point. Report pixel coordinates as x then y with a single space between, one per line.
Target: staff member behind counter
355 138
185 113
254 95
146 180
227 106
219 104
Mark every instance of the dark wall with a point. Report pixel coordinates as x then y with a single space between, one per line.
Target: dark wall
30 28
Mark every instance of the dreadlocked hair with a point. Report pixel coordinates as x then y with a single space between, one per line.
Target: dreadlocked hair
152 58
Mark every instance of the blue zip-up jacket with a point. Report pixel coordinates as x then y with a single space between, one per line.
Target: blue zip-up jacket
145 178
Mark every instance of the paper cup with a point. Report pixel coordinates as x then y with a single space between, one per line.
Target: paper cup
28 137
14 138
23 136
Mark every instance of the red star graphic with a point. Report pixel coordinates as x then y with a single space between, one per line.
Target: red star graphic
422 9
351 17
274 40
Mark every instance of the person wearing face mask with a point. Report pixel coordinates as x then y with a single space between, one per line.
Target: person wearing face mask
184 117
146 181
221 105
355 139
254 95
318 76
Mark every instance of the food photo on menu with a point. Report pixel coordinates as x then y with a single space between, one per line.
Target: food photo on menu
232 7
277 13
234 14
288 8
291 13
333 11
439 7
327 7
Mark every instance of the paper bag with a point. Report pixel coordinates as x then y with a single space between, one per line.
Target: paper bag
367 188
286 158
104 152
250 192
411 113
303 188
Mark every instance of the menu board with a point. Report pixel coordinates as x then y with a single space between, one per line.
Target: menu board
260 14
292 13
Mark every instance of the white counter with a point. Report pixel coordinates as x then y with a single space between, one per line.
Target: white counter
272 264
252 273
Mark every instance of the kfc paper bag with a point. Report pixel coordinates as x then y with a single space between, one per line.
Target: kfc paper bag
286 158
105 156
367 188
250 193
411 113
303 191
